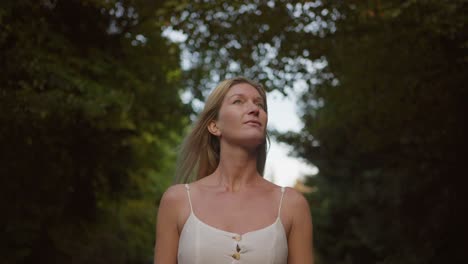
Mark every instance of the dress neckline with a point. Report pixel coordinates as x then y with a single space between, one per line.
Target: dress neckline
277 220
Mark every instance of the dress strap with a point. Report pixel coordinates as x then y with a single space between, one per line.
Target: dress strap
188 194
281 201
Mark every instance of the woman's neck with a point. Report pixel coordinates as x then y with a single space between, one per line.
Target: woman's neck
237 169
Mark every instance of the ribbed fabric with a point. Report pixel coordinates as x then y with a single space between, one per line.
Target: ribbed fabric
200 243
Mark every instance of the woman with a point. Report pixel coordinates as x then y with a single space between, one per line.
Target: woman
230 213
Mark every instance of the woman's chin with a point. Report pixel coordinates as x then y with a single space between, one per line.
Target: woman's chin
247 140
253 143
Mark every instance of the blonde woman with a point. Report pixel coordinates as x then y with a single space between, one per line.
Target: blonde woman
229 213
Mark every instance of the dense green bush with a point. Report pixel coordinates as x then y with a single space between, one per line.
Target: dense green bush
90 116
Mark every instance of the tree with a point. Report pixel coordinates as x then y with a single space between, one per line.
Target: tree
90 113
386 138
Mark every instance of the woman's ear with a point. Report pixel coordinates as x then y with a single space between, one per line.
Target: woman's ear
214 129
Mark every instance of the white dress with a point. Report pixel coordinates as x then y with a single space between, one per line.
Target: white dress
200 243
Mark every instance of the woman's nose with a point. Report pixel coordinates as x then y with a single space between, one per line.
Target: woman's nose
254 108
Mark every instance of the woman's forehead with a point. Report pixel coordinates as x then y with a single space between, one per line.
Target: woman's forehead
244 89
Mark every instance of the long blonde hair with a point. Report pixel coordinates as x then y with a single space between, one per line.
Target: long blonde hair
199 152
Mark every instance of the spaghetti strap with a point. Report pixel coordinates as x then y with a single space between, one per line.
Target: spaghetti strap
188 194
281 201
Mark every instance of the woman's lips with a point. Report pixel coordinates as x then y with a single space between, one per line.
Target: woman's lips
253 122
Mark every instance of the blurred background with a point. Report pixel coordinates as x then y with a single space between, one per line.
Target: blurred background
367 119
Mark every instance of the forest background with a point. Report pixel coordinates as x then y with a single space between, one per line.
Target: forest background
91 116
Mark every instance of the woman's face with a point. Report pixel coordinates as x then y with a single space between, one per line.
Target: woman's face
242 118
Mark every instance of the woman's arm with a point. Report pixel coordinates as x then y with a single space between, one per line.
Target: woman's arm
300 234
167 234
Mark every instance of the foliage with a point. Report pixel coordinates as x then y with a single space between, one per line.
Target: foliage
90 114
386 139
386 84
257 39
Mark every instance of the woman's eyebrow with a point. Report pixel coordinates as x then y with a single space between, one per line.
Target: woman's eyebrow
236 95
243 95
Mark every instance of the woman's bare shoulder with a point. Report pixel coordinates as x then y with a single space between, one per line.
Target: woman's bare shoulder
270 186
294 195
295 201
174 194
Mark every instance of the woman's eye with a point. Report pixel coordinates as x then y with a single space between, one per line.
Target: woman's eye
237 101
261 105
